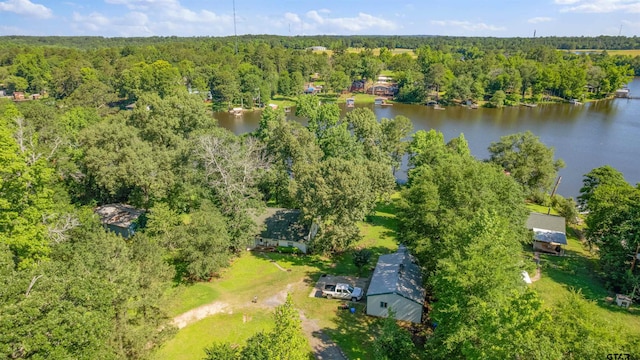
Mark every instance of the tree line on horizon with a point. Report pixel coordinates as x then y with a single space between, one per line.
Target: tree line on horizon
456 70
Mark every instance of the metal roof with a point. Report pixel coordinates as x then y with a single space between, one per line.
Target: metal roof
548 236
398 273
120 215
282 224
546 222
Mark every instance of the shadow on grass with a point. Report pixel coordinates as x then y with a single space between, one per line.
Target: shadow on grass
354 332
384 217
575 272
338 265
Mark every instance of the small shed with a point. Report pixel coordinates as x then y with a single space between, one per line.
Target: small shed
623 300
351 102
18 95
283 227
397 284
549 232
119 218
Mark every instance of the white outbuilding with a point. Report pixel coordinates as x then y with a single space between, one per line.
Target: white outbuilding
397 284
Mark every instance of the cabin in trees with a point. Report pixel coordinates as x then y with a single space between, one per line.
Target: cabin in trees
120 218
357 86
284 227
549 233
396 284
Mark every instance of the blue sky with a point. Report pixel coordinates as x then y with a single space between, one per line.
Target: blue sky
500 18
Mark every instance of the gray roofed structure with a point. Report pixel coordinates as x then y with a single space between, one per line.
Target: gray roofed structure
546 222
282 224
551 237
120 215
547 228
120 218
398 274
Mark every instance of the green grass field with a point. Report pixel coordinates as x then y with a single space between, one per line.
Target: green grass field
376 51
632 52
255 274
578 271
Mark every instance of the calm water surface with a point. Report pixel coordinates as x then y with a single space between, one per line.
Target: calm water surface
584 136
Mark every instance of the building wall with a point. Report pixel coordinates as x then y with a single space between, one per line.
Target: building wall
275 242
546 247
405 309
124 232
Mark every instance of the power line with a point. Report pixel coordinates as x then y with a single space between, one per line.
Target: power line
235 31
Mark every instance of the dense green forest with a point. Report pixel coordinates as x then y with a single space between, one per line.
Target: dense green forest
72 290
499 71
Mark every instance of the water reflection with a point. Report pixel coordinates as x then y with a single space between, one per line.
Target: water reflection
585 136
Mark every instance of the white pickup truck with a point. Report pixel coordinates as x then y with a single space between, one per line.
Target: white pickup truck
342 291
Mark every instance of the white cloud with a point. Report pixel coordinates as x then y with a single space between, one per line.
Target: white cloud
320 22
26 8
631 24
131 24
156 17
599 6
539 19
291 17
467 25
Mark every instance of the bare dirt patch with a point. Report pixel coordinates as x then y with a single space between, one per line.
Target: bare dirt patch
200 313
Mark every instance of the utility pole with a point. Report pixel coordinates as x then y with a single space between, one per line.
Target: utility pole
555 188
235 32
635 257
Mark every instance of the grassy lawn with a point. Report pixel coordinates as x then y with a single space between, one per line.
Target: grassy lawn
255 274
631 52
540 209
563 274
376 51
360 98
187 297
577 271
283 101
191 341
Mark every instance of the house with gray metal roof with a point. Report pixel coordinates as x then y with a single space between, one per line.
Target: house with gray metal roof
397 284
283 227
122 219
549 232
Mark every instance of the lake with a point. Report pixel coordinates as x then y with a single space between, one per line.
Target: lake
584 136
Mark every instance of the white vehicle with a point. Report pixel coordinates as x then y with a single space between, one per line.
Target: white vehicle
342 291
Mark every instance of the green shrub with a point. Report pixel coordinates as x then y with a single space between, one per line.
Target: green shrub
288 250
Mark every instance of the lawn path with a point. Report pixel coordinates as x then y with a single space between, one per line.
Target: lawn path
200 313
321 344
323 347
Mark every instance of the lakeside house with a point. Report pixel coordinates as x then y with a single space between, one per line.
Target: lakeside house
397 284
549 233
